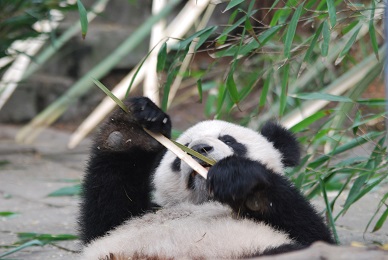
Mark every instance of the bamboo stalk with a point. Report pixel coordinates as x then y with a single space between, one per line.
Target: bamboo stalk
107 105
186 62
24 68
52 112
178 152
150 87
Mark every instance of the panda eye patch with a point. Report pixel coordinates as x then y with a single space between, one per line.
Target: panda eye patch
227 139
238 148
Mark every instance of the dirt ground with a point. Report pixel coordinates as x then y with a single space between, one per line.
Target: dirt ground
28 173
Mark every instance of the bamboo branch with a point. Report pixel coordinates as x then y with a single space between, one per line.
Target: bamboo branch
176 29
178 152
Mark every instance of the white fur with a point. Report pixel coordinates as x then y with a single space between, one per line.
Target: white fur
187 231
171 187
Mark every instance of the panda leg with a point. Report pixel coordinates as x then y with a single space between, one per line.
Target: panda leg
116 185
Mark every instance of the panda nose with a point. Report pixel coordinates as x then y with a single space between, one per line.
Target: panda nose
203 149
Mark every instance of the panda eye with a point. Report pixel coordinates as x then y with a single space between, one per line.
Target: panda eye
227 139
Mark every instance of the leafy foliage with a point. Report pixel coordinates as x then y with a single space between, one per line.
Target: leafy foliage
298 58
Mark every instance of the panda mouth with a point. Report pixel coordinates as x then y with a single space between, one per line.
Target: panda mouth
193 175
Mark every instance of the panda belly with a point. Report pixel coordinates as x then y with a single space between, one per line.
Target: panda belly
187 231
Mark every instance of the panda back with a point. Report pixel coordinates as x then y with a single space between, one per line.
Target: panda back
187 231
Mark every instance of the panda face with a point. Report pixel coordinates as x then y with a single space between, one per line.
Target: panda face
174 181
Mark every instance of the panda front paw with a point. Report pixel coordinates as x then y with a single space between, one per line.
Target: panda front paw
238 182
149 115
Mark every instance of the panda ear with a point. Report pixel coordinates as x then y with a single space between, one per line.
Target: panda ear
284 141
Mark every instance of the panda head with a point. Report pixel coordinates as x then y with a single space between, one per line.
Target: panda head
174 181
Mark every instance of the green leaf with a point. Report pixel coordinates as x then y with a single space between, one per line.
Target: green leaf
321 96
162 57
305 123
232 4
332 12
185 43
358 194
283 94
199 87
21 247
67 191
342 148
137 71
232 88
291 31
195 154
8 214
264 91
45 238
111 95
373 102
381 221
326 39
313 42
348 45
372 31
83 17
204 37
329 210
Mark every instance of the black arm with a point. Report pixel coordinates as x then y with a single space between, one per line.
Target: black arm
116 186
256 192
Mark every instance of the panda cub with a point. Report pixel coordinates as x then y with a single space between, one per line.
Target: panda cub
140 201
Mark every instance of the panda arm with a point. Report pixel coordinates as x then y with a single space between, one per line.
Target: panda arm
255 192
116 186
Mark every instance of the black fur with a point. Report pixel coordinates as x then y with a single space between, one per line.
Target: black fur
256 192
238 148
284 141
117 185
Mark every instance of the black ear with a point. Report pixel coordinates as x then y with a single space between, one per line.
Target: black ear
283 140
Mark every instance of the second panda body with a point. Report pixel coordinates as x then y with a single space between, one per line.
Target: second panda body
142 202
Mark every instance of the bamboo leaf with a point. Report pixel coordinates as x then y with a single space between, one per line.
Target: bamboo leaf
305 123
110 94
345 147
204 37
283 94
332 12
8 214
232 4
27 244
326 39
195 154
232 88
264 91
185 43
372 31
83 17
380 222
199 87
329 210
67 191
313 42
162 57
348 45
321 96
45 238
291 31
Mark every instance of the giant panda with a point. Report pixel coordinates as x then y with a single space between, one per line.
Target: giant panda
140 201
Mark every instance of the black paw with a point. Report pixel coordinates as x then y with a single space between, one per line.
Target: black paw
149 115
234 180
